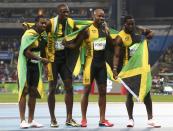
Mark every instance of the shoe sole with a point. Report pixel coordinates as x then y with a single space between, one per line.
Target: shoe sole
36 126
130 126
83 125
73 125
54 126
154 126
157 126
24 127
101 125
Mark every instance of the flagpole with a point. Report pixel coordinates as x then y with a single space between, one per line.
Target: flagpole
126 86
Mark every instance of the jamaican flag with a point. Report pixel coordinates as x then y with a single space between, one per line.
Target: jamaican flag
28 25
136 75
82 23
29 37
77 58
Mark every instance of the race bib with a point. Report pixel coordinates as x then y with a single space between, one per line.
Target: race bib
58 45
133 49
99 44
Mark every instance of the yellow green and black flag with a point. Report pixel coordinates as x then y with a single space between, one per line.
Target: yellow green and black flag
29 37
77 56
136 75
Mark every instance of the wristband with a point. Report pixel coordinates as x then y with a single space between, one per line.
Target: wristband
115 68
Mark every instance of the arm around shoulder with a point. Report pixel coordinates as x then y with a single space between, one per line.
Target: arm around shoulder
146 32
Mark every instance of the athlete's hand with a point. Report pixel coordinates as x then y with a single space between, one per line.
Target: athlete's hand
44 60
64 42
68 44
106 28
148 34
115 74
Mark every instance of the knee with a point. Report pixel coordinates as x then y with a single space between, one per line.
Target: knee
67 84
147 99
69 90
68 87
102 90
87 90
102 93
32 94
25 91
52 88
129 98
51 91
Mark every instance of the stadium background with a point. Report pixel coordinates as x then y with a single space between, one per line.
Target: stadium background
155 14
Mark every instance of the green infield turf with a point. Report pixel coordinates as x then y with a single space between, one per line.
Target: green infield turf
10 95
6 97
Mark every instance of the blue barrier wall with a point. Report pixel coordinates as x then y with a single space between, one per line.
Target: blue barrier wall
158 45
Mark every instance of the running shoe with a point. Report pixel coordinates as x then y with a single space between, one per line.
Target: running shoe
106 123
54 124
153 123
130 123
84 123
72 123
35 124
24 124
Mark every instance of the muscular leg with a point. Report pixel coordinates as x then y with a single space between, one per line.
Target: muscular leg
129 105
31 107
84 101
68 98
148 105
51 100
22 107
102 101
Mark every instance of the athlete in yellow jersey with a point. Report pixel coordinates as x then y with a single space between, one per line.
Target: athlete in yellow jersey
96 38
129 35
29 71
59 27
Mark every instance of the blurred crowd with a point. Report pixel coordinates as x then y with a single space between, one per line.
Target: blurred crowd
8 68
164 72
167 57
6 1
21 15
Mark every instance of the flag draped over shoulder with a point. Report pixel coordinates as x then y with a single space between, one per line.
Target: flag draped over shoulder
77 58
136 74
82 23
28 38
